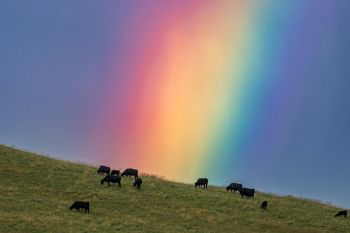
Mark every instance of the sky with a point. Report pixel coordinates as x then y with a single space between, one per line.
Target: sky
255 92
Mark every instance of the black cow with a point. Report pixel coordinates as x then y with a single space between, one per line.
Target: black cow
130 172
81 205
104 169
249 193
234 186
112 179
201 182
137 183
263 205
115 172
343 213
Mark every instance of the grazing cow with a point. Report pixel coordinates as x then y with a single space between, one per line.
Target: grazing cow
137 183
81 205
234 186
263 205
104 169
112 179
343 213
115 172
249 193
201 182
130 172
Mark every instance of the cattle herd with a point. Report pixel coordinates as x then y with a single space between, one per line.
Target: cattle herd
114 176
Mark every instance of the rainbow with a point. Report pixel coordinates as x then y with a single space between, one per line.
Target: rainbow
192 85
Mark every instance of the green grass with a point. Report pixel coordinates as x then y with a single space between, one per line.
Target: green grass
36 192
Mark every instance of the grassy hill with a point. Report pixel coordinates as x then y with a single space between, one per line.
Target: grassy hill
36 192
